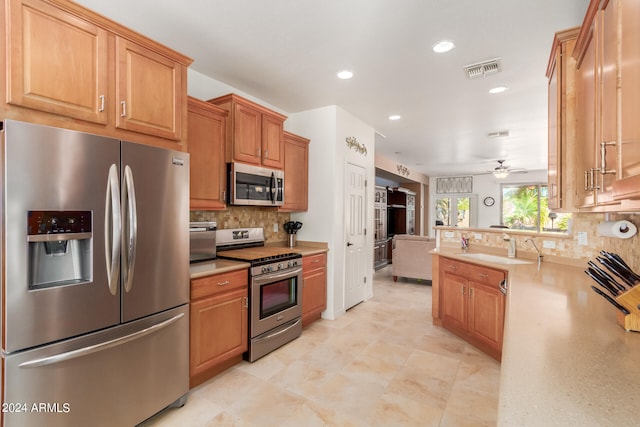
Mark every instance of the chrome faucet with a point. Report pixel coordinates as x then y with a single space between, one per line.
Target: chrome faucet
464 241
540 256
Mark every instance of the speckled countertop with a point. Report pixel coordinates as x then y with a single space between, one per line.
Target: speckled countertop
565 360
223 265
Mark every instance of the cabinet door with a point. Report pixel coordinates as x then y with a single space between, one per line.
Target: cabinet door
247 129
606 107
586 132
206 130
314 294
148 91
57 62
486 315
272 142
453 302
219 329
296 172
554 123
628 185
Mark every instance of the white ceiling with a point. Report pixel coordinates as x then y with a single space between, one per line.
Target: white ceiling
287 53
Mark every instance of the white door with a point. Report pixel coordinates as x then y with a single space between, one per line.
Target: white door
355 220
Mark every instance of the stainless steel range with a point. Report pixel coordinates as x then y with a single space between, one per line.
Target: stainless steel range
275 293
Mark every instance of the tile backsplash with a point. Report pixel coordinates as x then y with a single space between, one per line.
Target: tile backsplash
248 216
566 246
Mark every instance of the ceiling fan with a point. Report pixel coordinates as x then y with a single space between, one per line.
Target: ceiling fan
502 171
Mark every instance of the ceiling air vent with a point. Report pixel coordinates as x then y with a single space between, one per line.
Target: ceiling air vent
482 69
498 134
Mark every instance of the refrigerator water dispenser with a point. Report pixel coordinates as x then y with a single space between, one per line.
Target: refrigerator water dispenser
59 248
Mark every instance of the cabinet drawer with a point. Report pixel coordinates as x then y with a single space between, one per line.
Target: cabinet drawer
314 261
455 267
485 275
218 283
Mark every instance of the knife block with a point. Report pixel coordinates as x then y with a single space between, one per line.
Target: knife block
630 322
630 300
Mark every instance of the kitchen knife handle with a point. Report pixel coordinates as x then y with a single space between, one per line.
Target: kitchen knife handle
611 300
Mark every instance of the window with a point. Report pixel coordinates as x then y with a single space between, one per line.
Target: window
456 211
525 207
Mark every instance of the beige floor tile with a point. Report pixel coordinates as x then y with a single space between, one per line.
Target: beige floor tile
383 363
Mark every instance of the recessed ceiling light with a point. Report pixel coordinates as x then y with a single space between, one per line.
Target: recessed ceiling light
443 46
345 74
394 117
498 89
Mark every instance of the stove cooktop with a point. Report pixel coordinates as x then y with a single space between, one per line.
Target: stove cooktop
260 254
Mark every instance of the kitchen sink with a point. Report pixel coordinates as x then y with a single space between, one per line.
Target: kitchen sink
495 258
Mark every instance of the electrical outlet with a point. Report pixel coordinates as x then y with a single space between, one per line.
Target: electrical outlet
582 238
275 227
549 244
449 234
477 236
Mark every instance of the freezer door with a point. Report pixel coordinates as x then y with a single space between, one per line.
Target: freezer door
55 170
117 377
155 254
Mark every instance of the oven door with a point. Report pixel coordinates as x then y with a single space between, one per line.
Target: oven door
275 300
254 185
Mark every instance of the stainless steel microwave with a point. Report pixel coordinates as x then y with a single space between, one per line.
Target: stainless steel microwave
255 185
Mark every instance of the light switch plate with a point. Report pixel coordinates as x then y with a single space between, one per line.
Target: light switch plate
477 236
275 227
449 234
549 244
582 238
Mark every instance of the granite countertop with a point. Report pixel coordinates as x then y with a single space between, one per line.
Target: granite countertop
565 360
218 266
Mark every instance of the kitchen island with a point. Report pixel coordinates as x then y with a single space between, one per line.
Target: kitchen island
565 360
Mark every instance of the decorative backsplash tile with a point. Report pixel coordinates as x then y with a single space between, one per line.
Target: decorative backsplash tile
567 246
248 216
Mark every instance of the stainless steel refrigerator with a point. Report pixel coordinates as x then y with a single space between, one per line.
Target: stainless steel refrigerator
95 278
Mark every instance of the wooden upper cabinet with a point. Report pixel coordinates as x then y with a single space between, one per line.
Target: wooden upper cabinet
596 57
254 133
562 131
296 173
148 91
67 62
628 184
272 141
206 133
56 62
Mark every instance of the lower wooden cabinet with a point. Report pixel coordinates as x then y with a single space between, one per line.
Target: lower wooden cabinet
472 304
314 287
218 323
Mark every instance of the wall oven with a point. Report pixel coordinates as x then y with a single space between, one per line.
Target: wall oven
255 185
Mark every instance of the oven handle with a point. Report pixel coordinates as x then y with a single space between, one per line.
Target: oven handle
270 278
272 185
275 334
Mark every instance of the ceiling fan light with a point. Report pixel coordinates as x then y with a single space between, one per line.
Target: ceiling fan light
500 173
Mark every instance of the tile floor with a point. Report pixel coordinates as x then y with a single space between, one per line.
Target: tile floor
381 364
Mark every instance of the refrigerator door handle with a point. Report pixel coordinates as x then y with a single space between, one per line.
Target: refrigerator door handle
85 351
112 229
130 235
